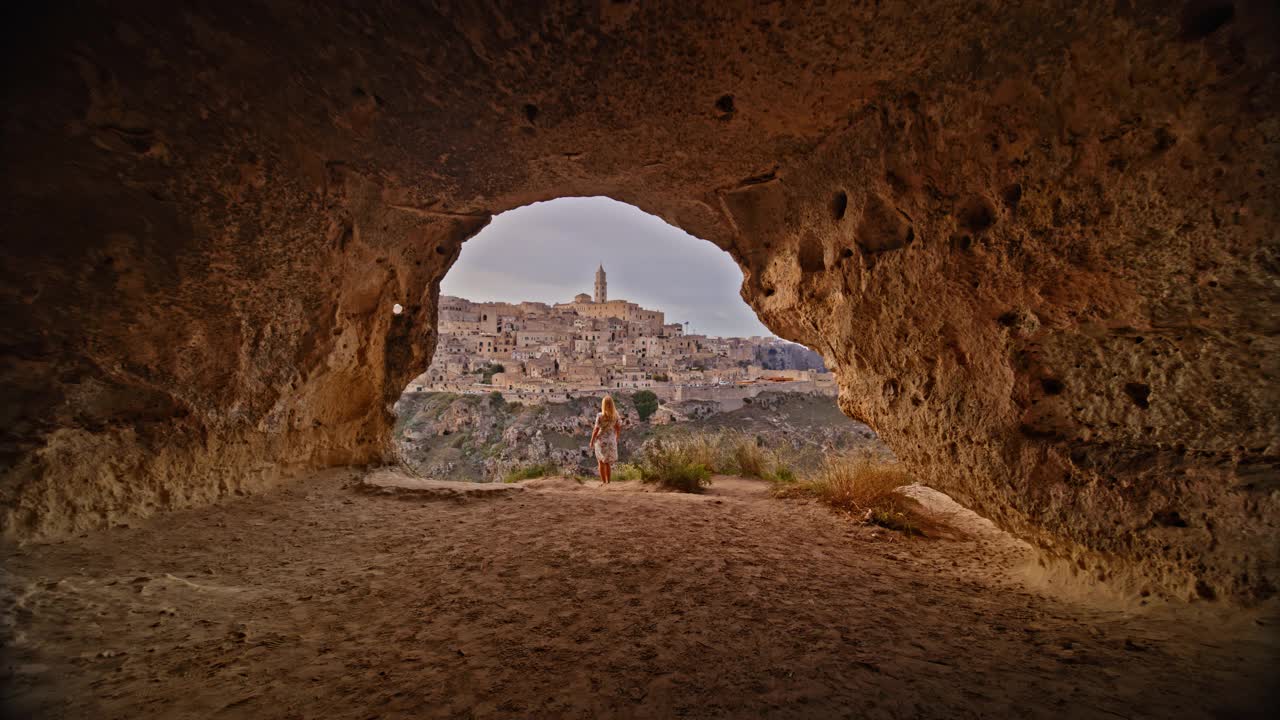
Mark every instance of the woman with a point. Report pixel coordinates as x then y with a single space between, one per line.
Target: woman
604 438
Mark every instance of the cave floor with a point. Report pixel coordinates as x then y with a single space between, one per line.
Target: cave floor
570 601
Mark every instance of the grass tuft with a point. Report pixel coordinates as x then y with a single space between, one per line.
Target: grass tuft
747 457
528 472
683 465
683 459
864 487
625 472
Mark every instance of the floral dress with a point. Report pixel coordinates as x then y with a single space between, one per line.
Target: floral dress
606 441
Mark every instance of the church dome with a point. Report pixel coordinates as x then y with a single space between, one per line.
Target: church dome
582 298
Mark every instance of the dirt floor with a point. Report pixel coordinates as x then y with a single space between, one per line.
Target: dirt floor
560 600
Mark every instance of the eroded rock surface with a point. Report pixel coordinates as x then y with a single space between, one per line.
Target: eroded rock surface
407 487
1036 241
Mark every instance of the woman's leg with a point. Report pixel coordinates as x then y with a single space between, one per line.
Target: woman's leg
600 469
608 472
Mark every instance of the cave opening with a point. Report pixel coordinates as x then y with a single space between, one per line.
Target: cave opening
555 304
1039 262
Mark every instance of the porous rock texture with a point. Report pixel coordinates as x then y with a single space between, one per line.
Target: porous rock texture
1035 240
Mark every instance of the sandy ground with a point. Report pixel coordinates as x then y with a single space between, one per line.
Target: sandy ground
562 600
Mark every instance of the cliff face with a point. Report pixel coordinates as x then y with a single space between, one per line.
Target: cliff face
788 357
1035 242
445 436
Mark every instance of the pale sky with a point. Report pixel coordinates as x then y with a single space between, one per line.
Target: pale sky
549 251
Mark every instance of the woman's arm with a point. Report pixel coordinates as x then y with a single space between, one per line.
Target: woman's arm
595 430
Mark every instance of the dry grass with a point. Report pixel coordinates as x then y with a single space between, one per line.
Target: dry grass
683 458
864 487
684 464
701 449
747 457
528 472
625 472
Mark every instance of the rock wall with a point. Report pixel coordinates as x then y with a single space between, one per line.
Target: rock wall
789 357
1035 241
446 436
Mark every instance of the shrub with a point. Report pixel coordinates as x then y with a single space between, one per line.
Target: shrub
865 487
677 464
626 472
747 457
706 450
496 399
487 371
528 472
646 403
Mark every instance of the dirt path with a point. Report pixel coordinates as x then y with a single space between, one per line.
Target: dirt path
571 601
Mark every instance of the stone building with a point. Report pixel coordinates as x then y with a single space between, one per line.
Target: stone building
589 343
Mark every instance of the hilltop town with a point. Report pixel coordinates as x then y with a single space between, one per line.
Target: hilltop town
591 344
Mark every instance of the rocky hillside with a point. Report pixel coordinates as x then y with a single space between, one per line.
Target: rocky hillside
789 356
483 437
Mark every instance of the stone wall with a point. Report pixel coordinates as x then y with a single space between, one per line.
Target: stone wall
1036 242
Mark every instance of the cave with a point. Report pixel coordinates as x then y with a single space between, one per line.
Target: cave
1038 250
207 227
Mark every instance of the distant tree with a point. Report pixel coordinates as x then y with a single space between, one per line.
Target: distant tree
646 403
487 371
496 399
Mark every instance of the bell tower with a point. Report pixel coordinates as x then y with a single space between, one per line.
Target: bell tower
602 286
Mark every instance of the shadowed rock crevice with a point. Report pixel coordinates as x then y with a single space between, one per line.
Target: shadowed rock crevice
1041 264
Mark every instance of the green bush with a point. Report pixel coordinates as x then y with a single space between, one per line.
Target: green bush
626 472
646 403
528 472
727 452
487 371
676 464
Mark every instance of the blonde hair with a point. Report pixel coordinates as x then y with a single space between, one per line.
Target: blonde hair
608 411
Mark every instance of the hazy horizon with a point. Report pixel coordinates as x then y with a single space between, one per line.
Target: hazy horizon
549 251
